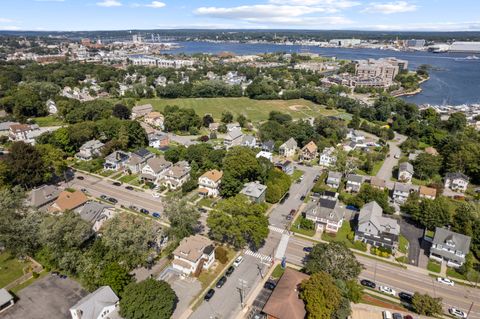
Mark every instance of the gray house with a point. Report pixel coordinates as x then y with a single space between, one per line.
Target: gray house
405 172
254 191
42 196
288 148
354 183
334 179
327 214
450 247
375 229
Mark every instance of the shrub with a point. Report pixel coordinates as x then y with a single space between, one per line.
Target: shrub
35 275
360 245
221 254
307 224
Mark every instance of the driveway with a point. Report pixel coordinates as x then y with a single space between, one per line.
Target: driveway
47 298
414 235
390 162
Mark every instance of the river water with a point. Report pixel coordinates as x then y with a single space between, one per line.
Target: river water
454 80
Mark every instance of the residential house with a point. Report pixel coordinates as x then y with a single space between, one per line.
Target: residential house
24 133
268 146
375 229
100 304
89 150
286 166
285 301
233 138
328 157
158 140
52 107
249 141
405 172
5 128
401 192
141 110
96 214
176 176
194 254
355 136
148 129
154 169
378 183
137 160
213 126
450 247
327 214
154 119
255 192
456 182
288 148
266 155
334 179
427 192
354 183
309 152
68 201
6 300
209 183
43 196
116 161
233 126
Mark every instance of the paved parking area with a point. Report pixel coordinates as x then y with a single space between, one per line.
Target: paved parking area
47 298
414 235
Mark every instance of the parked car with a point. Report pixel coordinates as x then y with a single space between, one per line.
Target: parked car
397 156
387 290
307 249
269 285
132 207
130 188
238 261
457 313
387 315
407 317
209 295
144 211
104 197
117 184
351 207
221 282
84 190
80 178
156 195
230 271
112 200
156 215
397 315
405 296
202 210
368 283
302 198
445 281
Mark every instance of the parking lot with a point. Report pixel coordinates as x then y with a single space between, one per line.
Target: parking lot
48 298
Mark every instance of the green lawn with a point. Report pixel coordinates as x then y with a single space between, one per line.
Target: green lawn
106 173
296 228
434 266
296 175
278 272
48 121
128 178
205 202
472 276
206 277
255 110
153 150
402 244
376 168
341 235
10 268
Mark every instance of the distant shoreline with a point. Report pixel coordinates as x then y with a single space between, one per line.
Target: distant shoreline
412 93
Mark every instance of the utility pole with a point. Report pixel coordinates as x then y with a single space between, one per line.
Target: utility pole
469 310
242 284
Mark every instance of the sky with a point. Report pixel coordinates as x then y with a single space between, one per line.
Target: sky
395 15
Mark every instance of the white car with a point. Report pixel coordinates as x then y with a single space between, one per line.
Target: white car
156 195
457 313
387 290
445 281
238 261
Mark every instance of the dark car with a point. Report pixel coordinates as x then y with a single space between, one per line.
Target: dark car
287 195
144 211
80 178
202 210
117 184
84 190
269 285
112 200
302 198
104 197
307 249
368 283
230 271
209 295
130 188
156 215
396 315
408 317
221 282
405 296
132 207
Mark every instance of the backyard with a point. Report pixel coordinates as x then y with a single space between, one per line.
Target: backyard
296 228
10 268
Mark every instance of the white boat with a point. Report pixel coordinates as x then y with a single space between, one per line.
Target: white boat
472 57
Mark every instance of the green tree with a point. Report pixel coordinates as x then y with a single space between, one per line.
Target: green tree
335 259
183 218
227 117
149 299
427 166
320 295
426 305
242 120
207 120
25 165
121 111
117 277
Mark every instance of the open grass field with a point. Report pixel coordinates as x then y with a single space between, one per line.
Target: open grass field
10 268
255 110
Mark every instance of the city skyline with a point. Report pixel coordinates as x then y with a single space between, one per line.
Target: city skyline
76 15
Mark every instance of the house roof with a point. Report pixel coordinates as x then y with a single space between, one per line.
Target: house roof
291 143
253 189
93 211
5 296
192 248
372 213
234 134
213 175
285 303
93 304
406 167
354 178
93 144
326 209
378 182
145 108
427 191
143 153
457 175
334 175
17 128
68 201
43 195
462 242
311 147
158 164
248 139
401 187
5 126
178 170
154 115
118 156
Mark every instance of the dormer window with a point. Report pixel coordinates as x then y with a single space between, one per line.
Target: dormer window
450 243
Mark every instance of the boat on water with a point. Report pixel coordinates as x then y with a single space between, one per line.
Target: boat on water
472 57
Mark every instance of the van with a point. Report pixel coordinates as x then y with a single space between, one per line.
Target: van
387 315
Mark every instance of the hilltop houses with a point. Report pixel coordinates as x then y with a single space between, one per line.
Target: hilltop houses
209 183
405 172
89 150
309 152
456 182
328 157
288 148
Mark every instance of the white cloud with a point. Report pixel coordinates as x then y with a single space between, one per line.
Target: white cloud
109 3
332 4
258 11
434 26
390 7
156 4
5 20
9 27
49 0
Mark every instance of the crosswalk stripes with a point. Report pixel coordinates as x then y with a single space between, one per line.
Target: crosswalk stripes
262 257
276 229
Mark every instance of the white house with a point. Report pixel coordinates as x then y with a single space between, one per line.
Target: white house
52 107
194 254
288 148
249 141
24 133
158 140
89 150
137 160
405 172
96 214
450 247
98 305
233 138
176 176
328 158
334 179
209 183
456 182
155 168
327 214
401 192
154 119
116 160
266 155
356 137
354 183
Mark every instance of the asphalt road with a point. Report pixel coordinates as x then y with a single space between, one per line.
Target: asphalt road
97 187
401 279
390 162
